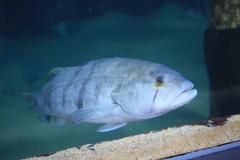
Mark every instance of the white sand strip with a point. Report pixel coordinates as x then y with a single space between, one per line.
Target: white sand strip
157 145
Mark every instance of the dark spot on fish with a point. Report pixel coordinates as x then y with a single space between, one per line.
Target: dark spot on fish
80 104
64 94
69 86
47 100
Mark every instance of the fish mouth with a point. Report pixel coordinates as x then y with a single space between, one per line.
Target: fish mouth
188 93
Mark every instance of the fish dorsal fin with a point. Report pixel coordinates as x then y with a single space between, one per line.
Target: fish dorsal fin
53 72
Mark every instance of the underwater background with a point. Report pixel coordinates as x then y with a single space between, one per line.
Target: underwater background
36 36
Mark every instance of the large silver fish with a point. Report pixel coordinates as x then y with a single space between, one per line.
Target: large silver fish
113 92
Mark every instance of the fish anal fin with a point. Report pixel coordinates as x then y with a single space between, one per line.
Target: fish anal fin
59 121
110 127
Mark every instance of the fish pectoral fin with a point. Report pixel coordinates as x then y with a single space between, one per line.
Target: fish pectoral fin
87 114
82 115
110 127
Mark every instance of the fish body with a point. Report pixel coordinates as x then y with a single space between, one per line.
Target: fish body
112 91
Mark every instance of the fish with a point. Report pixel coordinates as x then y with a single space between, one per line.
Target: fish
112 92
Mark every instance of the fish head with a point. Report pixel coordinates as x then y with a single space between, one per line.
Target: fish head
154 91
172 90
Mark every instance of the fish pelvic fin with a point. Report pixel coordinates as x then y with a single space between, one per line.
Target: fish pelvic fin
110 127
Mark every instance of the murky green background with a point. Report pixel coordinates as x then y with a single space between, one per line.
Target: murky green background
170 35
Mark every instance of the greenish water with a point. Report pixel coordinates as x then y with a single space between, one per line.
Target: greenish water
169 36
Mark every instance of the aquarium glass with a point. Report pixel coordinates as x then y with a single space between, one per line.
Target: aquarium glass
36 36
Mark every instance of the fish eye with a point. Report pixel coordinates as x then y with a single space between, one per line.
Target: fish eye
159 81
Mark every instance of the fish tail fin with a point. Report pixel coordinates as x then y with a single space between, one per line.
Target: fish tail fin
30 97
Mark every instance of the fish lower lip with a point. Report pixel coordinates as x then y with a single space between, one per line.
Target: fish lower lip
188 89
185 97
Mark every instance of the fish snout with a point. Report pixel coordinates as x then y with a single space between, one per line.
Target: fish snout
187 86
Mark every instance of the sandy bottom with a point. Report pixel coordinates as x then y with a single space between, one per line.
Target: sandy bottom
156 145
